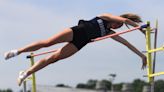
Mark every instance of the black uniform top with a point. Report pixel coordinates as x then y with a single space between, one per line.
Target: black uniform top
96 27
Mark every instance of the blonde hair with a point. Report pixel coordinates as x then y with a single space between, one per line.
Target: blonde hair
134 17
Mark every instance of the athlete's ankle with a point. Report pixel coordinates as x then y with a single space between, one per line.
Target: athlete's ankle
23 75
19 51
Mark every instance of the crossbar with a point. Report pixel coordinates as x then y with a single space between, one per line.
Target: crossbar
43 53
97 39
118 33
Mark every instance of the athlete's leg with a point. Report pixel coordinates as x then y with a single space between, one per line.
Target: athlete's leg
62 53
64 36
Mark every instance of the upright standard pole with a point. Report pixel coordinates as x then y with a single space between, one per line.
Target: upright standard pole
155 45
24 86
33 75
154 58
148 54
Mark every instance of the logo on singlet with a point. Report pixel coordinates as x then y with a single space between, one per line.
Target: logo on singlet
102 27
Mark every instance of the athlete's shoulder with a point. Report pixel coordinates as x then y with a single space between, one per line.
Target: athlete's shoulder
105 14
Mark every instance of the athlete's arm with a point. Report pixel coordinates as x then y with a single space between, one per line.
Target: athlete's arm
132 48
110 17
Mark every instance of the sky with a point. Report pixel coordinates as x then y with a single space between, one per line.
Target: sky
25 21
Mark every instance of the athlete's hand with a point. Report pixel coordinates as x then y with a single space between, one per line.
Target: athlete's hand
144 62
143 31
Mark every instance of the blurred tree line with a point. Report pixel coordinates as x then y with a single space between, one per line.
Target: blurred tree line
137 85
6 90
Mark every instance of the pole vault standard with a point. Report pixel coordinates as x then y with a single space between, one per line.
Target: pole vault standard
31 57
32 78
97 39
149 51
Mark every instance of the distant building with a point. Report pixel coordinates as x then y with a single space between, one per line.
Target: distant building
146 89
42 88
127 88
100 87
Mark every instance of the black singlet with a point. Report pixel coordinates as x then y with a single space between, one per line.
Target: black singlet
87 30
96 27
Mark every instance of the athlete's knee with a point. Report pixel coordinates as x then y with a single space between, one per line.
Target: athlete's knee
54 58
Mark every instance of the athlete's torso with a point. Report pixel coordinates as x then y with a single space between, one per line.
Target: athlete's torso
96 27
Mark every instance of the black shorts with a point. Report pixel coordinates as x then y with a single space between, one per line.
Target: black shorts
80 38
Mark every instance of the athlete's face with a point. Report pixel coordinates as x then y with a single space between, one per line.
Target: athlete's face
116 25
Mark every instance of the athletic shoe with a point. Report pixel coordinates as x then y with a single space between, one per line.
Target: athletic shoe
22 76
10 54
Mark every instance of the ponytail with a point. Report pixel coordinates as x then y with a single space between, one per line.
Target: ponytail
134 17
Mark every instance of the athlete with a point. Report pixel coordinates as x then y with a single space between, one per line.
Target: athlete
77 37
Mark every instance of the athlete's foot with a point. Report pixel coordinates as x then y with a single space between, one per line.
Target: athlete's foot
10 54
22 76
19 80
